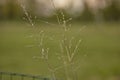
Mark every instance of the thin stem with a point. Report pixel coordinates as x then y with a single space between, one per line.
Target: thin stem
68 53
26 14
58 19
76 47
64 21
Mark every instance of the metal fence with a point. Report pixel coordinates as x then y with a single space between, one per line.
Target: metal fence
18 76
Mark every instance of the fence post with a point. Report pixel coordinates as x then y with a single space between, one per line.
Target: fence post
45 79
0 75
33 78
11 77
22 77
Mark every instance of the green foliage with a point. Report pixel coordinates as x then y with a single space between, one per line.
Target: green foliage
86 15
112 13
10 10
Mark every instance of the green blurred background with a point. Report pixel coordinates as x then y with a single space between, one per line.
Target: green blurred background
96 22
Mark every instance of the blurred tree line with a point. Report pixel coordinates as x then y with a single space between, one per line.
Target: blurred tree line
11 9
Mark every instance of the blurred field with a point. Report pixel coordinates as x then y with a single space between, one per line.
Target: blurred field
100 43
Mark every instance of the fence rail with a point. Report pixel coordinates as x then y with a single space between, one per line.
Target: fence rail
19 76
